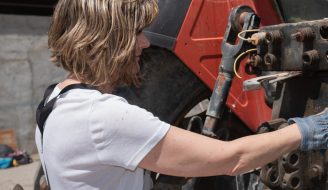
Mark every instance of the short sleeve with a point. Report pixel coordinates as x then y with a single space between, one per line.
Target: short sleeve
123 134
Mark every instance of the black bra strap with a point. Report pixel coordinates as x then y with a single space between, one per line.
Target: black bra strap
49 90
43 111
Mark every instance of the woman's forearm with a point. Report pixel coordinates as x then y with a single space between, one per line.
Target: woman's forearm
258 150
183 153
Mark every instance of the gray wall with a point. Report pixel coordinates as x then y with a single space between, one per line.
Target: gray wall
25 72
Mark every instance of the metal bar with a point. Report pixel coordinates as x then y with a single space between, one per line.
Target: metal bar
279 96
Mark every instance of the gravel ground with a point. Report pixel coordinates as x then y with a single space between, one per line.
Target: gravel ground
23 175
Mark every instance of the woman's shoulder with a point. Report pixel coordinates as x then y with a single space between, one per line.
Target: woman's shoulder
110 98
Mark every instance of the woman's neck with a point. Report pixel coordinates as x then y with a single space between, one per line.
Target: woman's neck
72 79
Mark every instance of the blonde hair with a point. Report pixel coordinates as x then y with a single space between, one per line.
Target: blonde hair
95 39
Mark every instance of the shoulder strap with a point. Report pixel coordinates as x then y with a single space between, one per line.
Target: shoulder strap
49 90
43 111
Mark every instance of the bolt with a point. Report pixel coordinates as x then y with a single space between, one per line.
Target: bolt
257 60
311 57
316 172
273 37
270 59
303 34
296 36
250 61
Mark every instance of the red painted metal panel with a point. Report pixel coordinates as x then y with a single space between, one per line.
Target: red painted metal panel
199 46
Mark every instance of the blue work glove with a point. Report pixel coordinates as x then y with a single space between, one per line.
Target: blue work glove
314 130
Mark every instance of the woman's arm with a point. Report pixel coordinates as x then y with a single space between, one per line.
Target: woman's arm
184 153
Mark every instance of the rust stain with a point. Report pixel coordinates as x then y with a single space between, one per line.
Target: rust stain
222 79
217 102
218 91
210 122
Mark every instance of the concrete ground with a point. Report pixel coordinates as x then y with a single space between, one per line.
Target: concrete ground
23 175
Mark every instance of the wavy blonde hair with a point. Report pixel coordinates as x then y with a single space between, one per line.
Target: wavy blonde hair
96 39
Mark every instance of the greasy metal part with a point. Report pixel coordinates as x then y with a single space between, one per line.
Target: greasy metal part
249 180
237 17
270 59
291 171
303 34
272 125
268 98
297 170
257 60
223 130
219 95
242 19
251 70
209 127
169 182
190 185
231 51
316 172
301 170
251 65
277 103
300 49
273 37
195 118
250 61
255 83
298 36
324 31
311 57
269 90
309 35
258 38
270 175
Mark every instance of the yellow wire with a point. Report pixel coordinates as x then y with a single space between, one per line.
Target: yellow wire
234 65
254 30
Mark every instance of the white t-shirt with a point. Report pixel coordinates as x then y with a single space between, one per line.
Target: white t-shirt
96 141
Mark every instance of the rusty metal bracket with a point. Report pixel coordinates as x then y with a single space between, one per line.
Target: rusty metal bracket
230 52
255 83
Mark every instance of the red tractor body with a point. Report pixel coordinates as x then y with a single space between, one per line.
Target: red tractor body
198 45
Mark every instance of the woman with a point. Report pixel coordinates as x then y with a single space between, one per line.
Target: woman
95 140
